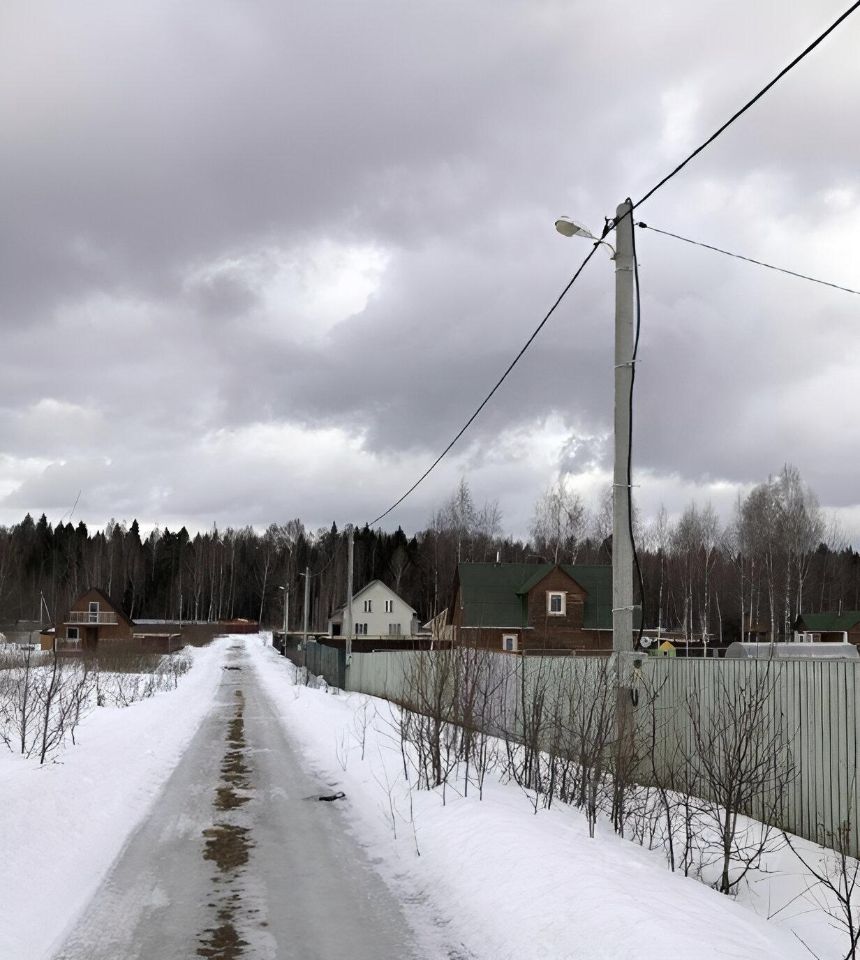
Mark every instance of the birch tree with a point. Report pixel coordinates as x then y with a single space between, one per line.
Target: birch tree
558 523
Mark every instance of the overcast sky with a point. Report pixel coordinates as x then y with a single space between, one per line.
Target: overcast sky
261 260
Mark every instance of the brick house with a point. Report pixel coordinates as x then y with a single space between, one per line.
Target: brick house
91 619
832 627
527 606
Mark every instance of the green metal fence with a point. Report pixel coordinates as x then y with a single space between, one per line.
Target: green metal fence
322 661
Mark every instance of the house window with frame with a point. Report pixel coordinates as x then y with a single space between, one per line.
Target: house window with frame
94 611
509 642
556 603
72 635
368 606
393 629
389 606
361 629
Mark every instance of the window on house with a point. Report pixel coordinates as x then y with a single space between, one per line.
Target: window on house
72 634
509 642
368 606
361 628
556 603
94 611
389 606
393 629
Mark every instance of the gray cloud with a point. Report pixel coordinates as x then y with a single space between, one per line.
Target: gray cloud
189 197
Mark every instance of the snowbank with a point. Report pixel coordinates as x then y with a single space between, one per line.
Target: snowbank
64 823
499 880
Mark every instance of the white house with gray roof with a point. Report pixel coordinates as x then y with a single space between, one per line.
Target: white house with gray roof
377 611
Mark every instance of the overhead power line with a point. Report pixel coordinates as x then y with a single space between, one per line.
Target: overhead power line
739 256
748 104
498 383
610 225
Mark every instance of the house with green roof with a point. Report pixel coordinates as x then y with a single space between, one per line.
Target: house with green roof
832 627
533 606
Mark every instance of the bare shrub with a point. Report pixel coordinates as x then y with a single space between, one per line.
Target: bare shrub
43 697
740 765
430 696
41 703
835 874
125 675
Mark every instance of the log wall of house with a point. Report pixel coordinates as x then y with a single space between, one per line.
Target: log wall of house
552 630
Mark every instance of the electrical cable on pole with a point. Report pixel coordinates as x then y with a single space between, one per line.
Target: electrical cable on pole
751 102
739 256
613 225
488 397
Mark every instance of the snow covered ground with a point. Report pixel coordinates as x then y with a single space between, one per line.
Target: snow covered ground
498 879
507 882
63 824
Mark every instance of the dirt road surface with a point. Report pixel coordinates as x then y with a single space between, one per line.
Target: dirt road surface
239 860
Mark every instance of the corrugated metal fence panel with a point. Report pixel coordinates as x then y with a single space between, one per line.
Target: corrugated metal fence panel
322 661
810 716
381 674
811 707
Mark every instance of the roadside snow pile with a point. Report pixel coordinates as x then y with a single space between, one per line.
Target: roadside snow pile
503 877
65 822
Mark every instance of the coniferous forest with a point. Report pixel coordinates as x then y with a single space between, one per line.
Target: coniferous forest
777 557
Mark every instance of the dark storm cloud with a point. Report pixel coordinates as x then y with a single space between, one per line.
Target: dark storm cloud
171 169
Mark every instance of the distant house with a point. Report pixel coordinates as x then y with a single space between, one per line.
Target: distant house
438 629
755 631
91 619
832 627
527 606
377 612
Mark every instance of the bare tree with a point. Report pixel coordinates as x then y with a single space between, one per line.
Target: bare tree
558 523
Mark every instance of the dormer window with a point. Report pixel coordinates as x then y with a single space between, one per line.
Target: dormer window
556 603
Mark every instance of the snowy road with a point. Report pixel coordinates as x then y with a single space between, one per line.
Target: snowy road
239 859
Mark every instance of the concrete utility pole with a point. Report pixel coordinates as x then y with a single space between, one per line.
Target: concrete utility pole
622 542
286 590
347 611
307 576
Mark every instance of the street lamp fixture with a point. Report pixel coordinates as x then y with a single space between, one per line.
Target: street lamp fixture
570 228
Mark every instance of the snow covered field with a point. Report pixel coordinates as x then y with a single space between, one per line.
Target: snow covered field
510 883
63 823
498 879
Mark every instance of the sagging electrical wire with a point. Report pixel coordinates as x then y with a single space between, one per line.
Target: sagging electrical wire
498 383
611 224
739 256
751 102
